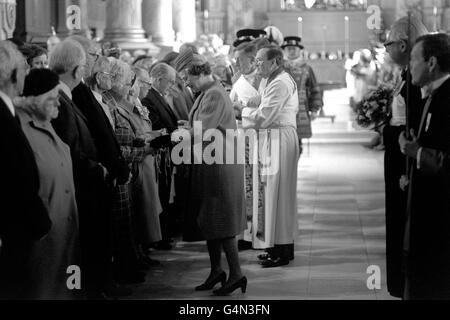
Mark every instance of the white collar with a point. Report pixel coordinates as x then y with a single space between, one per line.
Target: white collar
98 96
433 86
65 88
8 102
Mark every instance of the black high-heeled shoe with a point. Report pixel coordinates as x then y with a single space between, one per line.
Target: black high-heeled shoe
224 291
222 278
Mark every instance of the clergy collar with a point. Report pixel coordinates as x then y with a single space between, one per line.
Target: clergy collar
433 86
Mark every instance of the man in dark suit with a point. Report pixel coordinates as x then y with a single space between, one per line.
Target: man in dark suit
23 218
68 60
162 116
427 240
110 155
402 37
163 77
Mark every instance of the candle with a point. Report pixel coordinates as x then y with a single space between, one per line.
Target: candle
347 35
435 12
300 27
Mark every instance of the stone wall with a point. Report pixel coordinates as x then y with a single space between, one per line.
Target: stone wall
7 18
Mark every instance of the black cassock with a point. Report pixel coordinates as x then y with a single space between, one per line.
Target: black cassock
427 239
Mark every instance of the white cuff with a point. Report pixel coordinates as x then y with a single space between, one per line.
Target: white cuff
419 155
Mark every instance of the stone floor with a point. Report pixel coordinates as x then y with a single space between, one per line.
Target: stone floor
341 228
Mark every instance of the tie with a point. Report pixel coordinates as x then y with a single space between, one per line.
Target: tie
425 111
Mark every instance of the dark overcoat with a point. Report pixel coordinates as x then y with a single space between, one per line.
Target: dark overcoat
427 239
23 217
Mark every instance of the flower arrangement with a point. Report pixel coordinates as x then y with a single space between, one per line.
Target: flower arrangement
374 109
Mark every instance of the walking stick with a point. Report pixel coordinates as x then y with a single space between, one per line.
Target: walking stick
408 92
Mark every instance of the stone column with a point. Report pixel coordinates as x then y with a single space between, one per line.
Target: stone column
72 20
184 20
124 25
446 19
158 21
38 20
240 16
7 18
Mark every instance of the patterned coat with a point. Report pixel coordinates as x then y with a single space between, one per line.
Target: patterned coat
122 207
309 95
217 194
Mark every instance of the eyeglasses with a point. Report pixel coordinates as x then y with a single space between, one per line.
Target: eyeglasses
106 73
146 83
390 43
259 62
95 54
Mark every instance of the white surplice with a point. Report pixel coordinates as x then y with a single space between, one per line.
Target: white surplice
277 223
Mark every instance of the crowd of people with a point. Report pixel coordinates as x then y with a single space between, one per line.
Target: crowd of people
90 182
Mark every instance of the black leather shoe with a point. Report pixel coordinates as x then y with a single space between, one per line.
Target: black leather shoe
274 262
226 290
264 256
209 285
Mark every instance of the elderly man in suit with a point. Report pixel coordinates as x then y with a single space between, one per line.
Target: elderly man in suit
402 37
163 77
68 60
24 218
427 240
110 155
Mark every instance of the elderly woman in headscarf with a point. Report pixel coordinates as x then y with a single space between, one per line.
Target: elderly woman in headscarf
216 190
52 255
134 150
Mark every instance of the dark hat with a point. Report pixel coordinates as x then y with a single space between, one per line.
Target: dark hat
248 35
292 42
40 81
